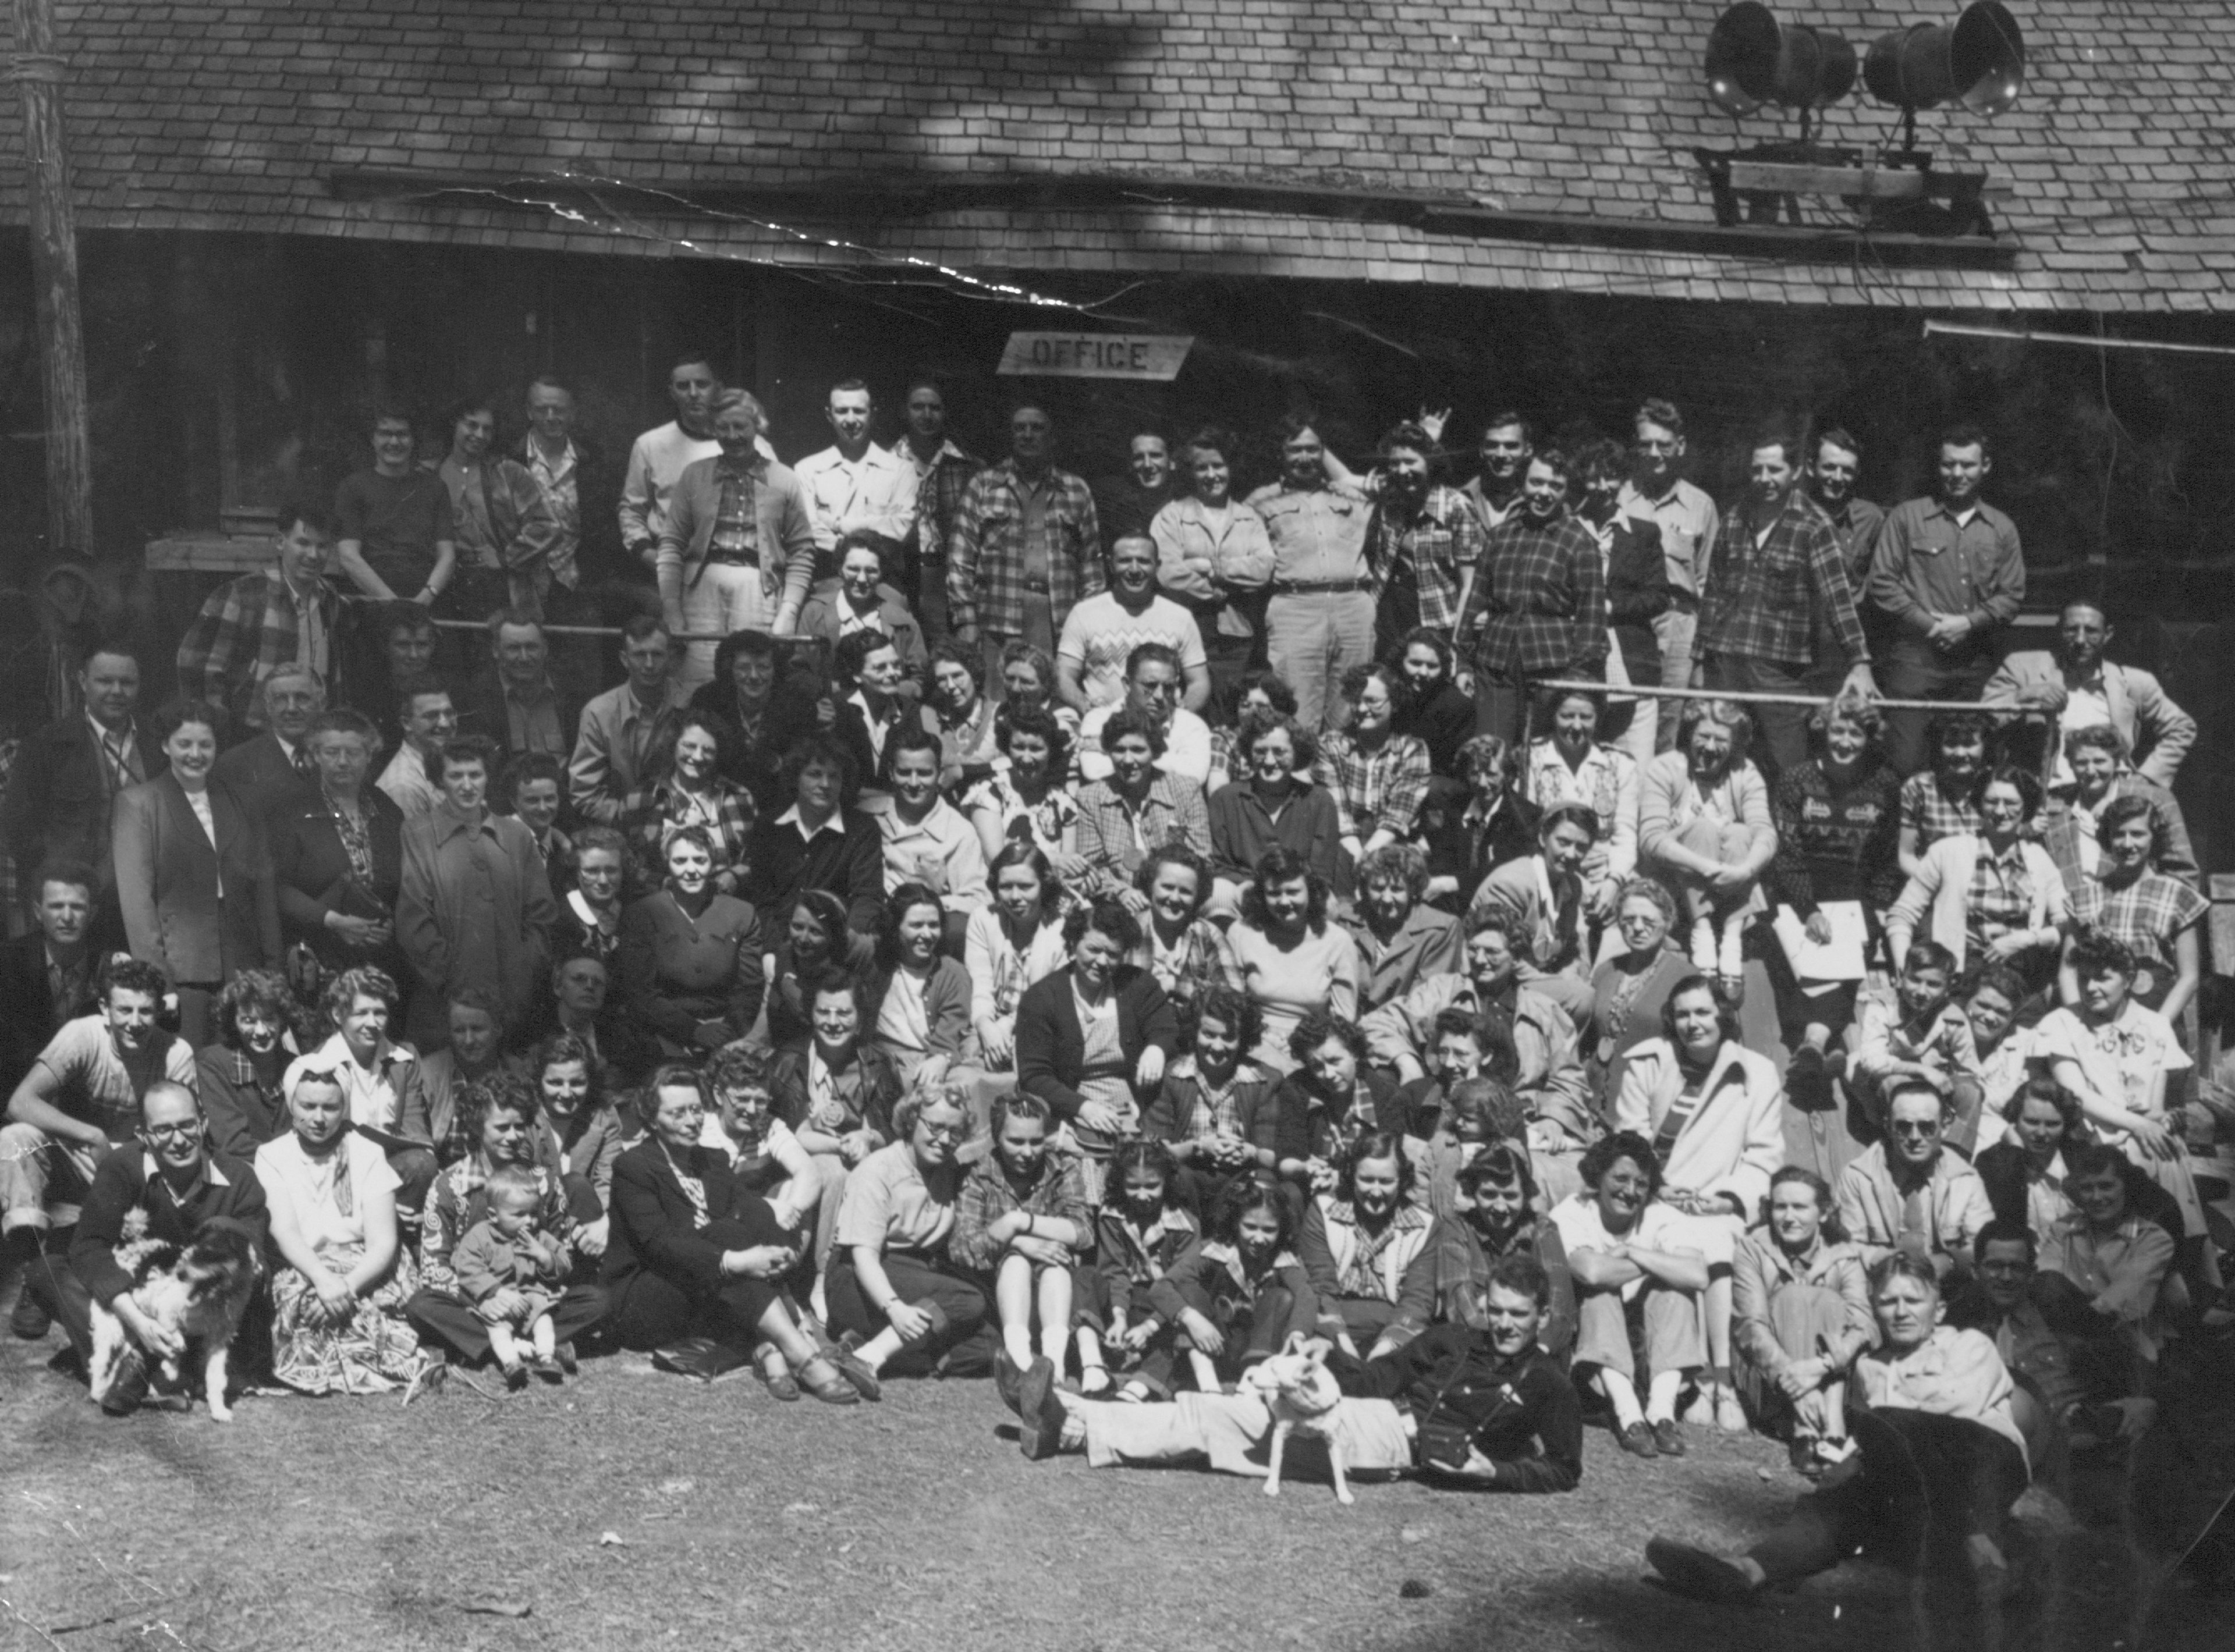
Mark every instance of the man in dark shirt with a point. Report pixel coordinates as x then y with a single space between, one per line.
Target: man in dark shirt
1128 503
179 1187
47 977
1948 573
392 522
1486 1408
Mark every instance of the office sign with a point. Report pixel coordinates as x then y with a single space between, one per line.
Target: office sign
1155 356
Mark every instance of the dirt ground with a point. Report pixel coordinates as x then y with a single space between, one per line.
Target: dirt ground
632 1508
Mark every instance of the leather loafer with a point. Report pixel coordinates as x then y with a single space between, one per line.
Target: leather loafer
1668 1437
1637 1441
1039 1411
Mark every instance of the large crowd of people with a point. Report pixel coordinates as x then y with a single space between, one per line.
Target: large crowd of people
894 914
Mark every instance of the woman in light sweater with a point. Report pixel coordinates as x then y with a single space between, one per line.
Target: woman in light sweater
1704 824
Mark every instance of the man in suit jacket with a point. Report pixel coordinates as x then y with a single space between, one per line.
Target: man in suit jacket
47 977
203 911
2073 684
273 771
514 703
66 775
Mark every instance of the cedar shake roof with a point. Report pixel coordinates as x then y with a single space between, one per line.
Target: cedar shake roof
2113 176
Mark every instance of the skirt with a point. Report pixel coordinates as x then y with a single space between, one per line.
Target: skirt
376 1351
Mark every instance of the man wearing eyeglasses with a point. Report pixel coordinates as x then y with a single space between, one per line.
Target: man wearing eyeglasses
178 1185
1911 1192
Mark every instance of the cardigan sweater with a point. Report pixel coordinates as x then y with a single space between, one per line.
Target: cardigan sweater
1734 1140
1942 891
1051 1046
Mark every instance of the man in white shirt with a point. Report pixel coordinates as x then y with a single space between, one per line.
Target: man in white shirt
1688 522
1100 634
1152 688
660 456
853 482
430 722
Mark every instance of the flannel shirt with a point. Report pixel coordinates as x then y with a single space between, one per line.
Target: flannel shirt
2064 828
2146 914
985 1196
985 551
939 494
1218 1111
2002 892
247 630
1437 546
1926 564
649 814
1204 957
1112 840
1376 791
1539 606
1762 598
1933 813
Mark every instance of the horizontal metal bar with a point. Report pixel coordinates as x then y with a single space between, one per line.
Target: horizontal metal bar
1755 696
1962 330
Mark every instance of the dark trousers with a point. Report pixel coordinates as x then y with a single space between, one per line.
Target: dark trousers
1512 706
1780 732
650 1310
1927 1483
919 1281
1915 670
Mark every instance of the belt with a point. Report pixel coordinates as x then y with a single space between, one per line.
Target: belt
1319 588
733 559
1036 588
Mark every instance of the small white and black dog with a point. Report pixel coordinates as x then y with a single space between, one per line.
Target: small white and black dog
200 1294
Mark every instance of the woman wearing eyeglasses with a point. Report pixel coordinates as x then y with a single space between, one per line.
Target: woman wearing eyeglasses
1993 898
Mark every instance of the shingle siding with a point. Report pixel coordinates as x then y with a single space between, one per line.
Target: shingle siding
2118 162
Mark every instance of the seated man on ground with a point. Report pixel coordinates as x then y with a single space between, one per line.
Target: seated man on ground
1909 1192
82 1097
164 1195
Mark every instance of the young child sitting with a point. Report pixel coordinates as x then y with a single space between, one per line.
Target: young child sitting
1021 1216
1138 1236
514 1276
1922 1032
1238 1291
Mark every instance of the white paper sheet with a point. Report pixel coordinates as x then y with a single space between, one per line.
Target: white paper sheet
1838 959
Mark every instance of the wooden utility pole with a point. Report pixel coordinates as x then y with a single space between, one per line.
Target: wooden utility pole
38 67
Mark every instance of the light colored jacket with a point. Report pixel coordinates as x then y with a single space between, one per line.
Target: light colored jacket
2141 711
1942 888
1869 1205
1202 564
1735 1141
1760 1270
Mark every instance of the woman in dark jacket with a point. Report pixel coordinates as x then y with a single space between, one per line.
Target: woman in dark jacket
2024 1174
339 859
1094 1038
193 876
1494 823
692 1259
1440 714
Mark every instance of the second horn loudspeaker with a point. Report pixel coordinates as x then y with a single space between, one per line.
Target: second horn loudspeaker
1977 61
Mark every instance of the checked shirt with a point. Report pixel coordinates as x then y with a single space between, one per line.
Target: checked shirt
1540 601
1763 596
1437 546
1376 791
986 552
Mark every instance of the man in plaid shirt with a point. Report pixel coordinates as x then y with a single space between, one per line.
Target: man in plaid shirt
1423 542
1538 607
943 474
1026 546
1777 569
282 615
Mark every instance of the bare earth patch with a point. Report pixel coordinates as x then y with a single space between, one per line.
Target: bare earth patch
634 1510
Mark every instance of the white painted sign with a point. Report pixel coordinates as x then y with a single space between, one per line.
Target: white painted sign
1095 355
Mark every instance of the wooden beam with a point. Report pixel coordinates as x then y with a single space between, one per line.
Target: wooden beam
39 68
1869 183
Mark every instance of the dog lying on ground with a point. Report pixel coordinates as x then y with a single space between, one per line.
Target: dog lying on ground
1296 1386
199 1294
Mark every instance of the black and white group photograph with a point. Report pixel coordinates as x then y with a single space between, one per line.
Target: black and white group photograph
1415 825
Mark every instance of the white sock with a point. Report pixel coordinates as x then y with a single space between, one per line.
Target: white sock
1703 945
1661 1400
1622 1396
